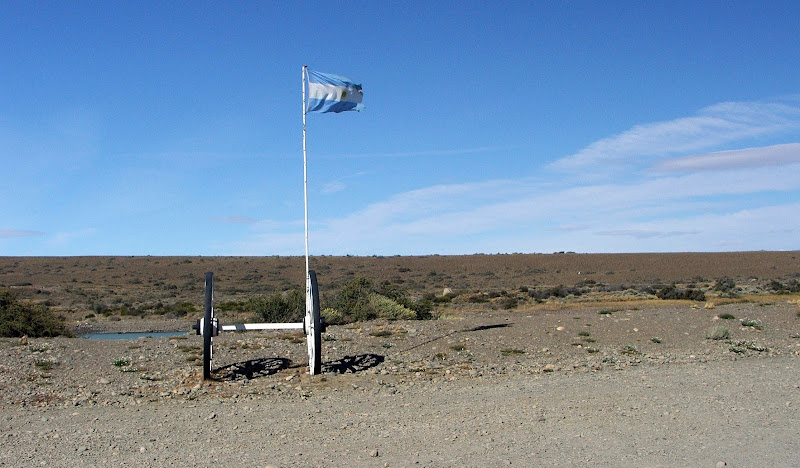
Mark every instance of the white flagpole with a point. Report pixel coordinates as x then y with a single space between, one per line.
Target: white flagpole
305 166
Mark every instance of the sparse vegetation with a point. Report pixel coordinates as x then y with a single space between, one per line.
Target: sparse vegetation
629 349
511 351
742 346
656 340
675 293
754 323
726 287
24 318
718 332
726 316
357 300
289 306
121 362
45 365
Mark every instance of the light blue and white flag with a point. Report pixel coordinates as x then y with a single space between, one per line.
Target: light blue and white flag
332 93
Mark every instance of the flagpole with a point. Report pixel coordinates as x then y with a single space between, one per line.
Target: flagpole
305 167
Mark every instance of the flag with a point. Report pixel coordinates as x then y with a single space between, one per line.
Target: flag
332 93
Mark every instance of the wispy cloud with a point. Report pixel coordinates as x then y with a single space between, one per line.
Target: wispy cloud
776 155
63 238
11 233
645 233
421 153
670 203
333 187
235 219
712 126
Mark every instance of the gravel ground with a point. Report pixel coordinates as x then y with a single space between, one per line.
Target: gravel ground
586 387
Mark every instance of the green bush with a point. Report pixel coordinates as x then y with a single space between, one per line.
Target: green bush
389 308
726 287
280 307
672 292
19 318
358 301
180 309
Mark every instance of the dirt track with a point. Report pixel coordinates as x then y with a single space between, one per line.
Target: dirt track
698 414
506 388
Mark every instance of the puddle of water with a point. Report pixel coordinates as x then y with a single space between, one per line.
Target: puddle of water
131 335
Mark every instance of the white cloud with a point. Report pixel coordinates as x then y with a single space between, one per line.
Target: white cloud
677 205
714 125
776 155
422 153
235 219
464 218
333 187
9 233
63 238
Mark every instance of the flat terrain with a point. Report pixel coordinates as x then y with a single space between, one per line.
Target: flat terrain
613 377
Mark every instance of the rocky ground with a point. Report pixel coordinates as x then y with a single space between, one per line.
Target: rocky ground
634 385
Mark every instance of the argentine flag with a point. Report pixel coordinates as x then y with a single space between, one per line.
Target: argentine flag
332 93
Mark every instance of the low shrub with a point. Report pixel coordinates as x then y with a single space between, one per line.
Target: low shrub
358 301
726 287
754 323
718 333
389 308
559 291
280 307
673 292
629 349
509 302
22 318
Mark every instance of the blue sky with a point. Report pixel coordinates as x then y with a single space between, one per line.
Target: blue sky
144 128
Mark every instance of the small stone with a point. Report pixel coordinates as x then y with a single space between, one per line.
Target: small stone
720 464
103 381
212 416
560 328
375 453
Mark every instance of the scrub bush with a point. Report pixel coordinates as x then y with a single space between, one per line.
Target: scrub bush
23 318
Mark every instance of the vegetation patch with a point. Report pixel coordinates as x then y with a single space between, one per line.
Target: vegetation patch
121 362
753 323
22 318
672 292
45 365
358 300
726 316
718 332
511 351
630 349
726 287
742 346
